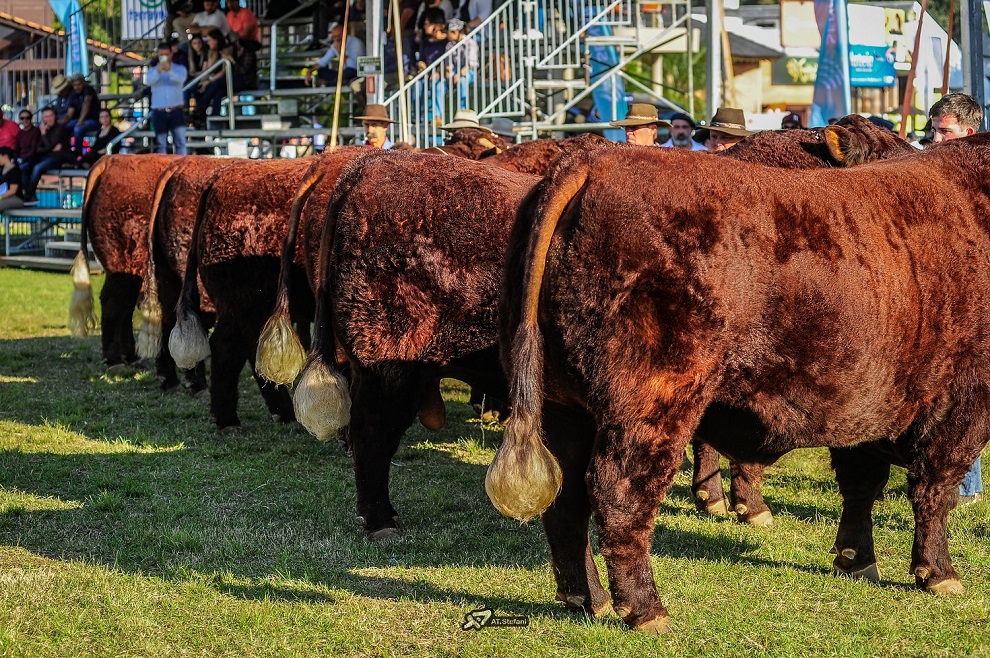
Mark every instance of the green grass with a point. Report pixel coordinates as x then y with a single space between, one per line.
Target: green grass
130 527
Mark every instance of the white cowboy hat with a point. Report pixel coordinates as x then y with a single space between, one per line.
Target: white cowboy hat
464 119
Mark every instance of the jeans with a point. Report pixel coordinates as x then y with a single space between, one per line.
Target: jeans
169 122
972 484
213 96
464 81
79 128
35 167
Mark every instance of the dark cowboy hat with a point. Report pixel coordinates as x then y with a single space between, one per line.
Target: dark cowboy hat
731 121
640 114
373 112
683 117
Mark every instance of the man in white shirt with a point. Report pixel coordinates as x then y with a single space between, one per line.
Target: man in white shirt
211 17
167 115
681 127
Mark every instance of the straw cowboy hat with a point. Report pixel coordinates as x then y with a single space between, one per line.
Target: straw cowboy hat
373 112
465 119
640 114
59 82
731 121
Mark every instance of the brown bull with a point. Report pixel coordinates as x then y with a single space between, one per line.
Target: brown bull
408 287
115 220
845 309
852 141
173 217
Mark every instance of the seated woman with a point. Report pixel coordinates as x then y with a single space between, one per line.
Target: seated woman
212 88
99 148
10 177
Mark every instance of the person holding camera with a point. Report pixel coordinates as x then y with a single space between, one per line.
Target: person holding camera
165 80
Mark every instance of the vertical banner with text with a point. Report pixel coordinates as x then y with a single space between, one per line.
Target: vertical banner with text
76 52
832 98
142 19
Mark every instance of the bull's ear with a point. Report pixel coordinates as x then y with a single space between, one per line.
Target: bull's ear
843 145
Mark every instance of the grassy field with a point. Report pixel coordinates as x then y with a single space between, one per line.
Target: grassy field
130 527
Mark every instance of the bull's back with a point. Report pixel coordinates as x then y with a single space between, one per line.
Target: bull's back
835 305
119 211
418 256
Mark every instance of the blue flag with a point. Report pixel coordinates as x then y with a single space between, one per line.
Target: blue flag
832 99
76 53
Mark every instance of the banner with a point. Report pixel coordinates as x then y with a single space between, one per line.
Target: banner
141 19
832 98
76 52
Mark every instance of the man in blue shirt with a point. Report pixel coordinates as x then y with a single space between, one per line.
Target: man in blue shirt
165 79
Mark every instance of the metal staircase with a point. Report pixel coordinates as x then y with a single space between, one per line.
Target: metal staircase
538 59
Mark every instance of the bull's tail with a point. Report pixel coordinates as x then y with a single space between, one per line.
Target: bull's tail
322 400
149 340
524 478
189 343
82 317
280 356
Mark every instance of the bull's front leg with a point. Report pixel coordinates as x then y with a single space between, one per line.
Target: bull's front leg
632 469
384 403
570 435
747 494
861 475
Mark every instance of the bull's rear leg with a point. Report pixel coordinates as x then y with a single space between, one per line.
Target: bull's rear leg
861 475
706 482
228 354
277 398
631 471
384 403
570 435
117 302
747 494
938 464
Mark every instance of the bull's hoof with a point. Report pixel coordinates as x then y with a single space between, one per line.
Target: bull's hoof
717 508
360 520
572 601
762 520
201 394
385 535
947 586
869 572
119 368
656 626
232 430
602 610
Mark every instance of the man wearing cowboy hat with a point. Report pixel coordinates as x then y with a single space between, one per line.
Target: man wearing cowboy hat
375 122
728 127
681 127
465 119
641 124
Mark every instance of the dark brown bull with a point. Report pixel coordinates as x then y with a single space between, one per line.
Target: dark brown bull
240 230
845 309
115 220
173 217
852 141
408 289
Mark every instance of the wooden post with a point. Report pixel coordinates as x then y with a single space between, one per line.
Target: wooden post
915 56
341 65
948 49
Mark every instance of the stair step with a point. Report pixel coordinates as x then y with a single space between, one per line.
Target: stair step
559 84
46 263
72 234
612 40
63 249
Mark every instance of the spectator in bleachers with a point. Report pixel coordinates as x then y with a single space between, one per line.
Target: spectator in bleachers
27 138
242 22
212 88
432 46
178 21
324 71
464 62
99 148
8 132
196 56
448 11
11 177
61 89
53 149
83 115
165 79
211 18
243 55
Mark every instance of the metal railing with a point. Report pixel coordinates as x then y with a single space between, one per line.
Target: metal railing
273 41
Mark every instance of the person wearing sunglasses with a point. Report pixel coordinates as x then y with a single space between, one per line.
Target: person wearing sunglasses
27 139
